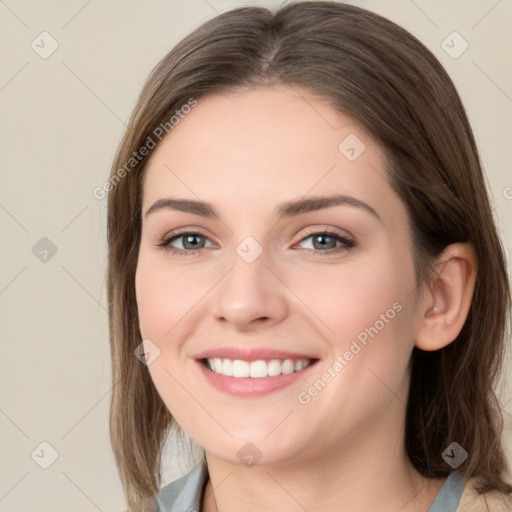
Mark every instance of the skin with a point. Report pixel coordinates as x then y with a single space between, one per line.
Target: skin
259 148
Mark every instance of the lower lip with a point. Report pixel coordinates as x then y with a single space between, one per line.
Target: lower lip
247 386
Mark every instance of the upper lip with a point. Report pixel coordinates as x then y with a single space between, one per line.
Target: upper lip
250 354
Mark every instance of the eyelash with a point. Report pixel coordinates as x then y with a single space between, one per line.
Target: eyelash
347 243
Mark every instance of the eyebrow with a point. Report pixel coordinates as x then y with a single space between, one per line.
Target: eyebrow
287 209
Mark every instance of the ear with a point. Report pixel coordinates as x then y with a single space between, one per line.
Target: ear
445 304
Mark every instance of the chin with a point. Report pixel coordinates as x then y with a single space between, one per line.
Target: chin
253 452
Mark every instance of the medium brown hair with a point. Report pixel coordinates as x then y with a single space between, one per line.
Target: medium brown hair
374 71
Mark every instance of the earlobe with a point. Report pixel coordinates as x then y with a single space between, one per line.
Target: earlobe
446 304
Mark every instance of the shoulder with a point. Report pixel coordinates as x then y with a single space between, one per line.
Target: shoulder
185 493
493 501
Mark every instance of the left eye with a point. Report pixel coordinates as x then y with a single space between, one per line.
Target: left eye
329 241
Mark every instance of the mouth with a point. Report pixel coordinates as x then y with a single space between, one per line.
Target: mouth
255 369
253 373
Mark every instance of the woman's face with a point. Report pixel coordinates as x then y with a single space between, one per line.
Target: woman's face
255 288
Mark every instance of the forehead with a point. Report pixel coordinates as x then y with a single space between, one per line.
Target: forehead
261 146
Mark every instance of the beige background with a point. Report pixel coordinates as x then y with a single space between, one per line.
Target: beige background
62 118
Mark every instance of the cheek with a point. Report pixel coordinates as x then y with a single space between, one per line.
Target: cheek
367 316
165 303
374 321
356 298
166 295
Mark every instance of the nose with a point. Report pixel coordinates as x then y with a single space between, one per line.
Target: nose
251 296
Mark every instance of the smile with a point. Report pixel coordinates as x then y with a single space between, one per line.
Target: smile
256 369
252 372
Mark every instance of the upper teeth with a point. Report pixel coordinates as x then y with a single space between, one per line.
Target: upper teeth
256 369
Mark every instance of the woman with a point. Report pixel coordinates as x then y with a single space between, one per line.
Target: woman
305 275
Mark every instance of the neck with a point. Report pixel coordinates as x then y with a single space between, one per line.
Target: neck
369 470
318 487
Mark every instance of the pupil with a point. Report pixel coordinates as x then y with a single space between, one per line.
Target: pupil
189 240
322 243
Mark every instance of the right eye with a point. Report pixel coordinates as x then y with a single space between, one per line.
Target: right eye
190 242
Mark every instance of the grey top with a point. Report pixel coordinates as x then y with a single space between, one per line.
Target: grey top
186 493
